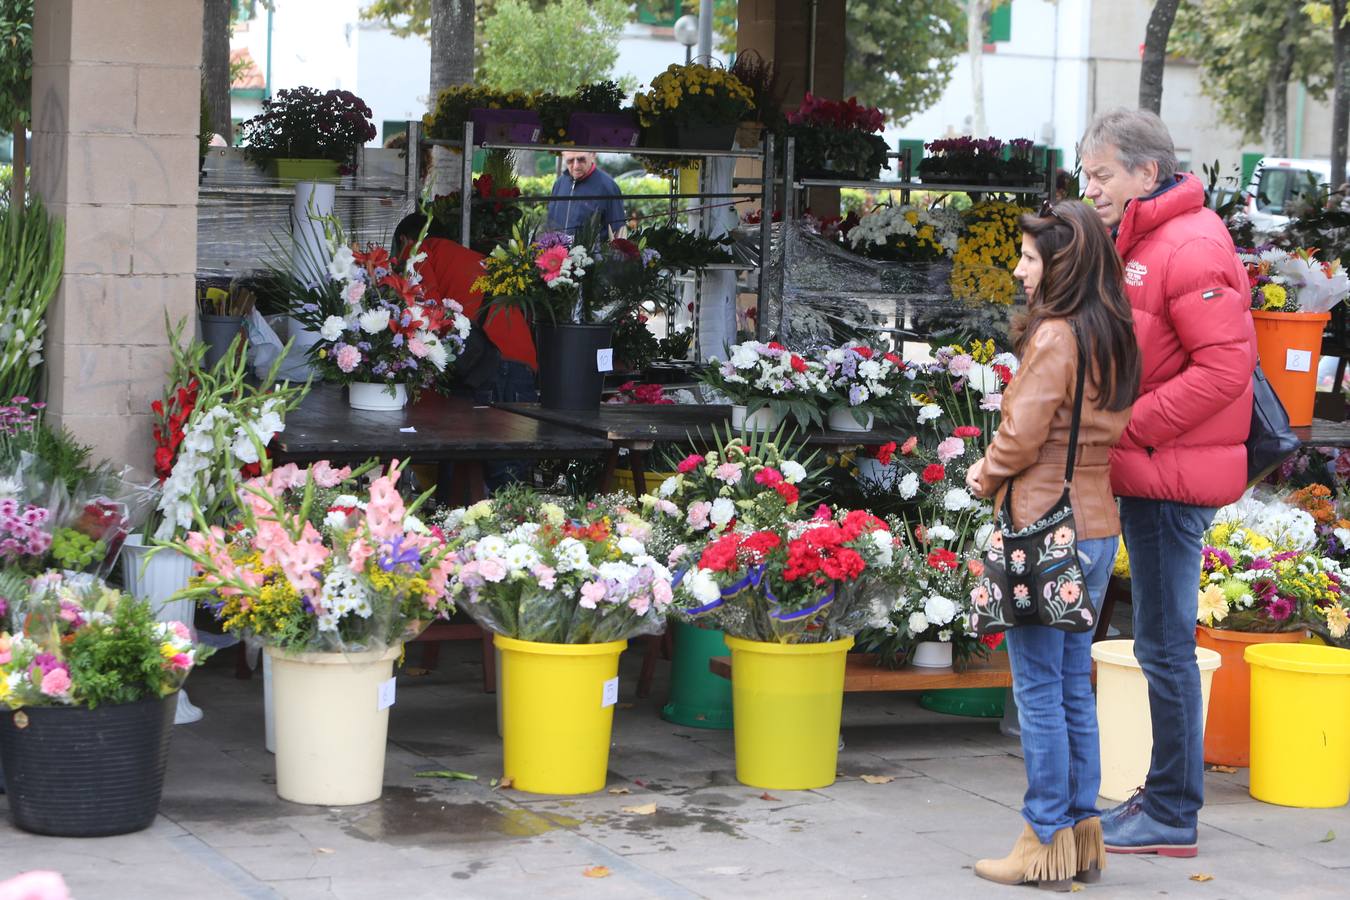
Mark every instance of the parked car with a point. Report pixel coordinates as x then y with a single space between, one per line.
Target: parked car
1278 180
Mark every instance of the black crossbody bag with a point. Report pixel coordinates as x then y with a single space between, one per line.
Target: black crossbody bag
1033 576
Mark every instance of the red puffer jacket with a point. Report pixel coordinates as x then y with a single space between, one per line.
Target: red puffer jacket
1192 317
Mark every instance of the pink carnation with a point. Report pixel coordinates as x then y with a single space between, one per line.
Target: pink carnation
492 569
592 592
348 358
56 683
729 472
690 463
950 449
768 476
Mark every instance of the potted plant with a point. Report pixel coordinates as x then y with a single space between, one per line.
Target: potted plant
837 139
596 118
378 334
332 580
497 116
790 598
766 384
303 135
1260 580
749 481
921 238
88 681
562 585
574 290
1292 295
861 383
761 77
694 107
494 214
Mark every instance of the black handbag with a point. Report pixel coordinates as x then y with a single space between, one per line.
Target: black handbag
1032 576
480 359
1271 441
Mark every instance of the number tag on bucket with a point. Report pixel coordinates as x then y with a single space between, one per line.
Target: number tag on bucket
610 695
385 698
1297 360
604 360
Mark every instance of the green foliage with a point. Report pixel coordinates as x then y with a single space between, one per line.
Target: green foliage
1237 43
684 249
16 61
900 56
32 248
556 49
119 661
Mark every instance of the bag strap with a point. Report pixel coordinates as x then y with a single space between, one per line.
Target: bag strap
1077 405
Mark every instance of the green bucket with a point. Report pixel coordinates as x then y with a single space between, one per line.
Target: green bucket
698 698
976 703
293 171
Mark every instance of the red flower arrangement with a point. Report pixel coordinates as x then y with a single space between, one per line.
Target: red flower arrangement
170 415
847 114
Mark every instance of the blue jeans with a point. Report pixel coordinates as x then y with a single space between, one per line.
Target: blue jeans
1164 540
1052 683
515 384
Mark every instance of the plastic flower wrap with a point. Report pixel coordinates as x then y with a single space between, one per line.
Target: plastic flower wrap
84 647
317 564
865 380
557 571
757 375
798 582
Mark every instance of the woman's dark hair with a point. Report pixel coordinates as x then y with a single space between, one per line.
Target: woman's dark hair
1082 280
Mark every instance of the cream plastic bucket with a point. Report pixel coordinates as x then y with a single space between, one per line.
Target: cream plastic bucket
1123 714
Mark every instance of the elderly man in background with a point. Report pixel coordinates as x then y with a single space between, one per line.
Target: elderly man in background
1183 453
584 185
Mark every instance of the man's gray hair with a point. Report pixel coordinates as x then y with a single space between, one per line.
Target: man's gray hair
1139 137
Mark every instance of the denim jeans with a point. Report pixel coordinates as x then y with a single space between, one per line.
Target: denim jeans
1164 540
1052 684
515 384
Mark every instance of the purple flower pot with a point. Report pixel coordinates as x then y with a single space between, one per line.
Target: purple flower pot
505 126
603 129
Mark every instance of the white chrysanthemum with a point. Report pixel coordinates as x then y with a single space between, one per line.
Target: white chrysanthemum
939 609
572 556
521 557
373 321
492 546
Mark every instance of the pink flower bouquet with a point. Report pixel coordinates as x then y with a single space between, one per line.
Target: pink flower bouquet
316 565
87 647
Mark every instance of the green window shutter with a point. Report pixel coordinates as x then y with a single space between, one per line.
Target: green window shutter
998 24
391 127
915 148
1249 164
658 12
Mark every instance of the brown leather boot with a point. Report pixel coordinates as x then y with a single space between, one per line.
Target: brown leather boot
1087 835
1051 866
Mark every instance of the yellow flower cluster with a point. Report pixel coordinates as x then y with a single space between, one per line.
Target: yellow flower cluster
1275 296
987 253
980 351
707 93
507 276
276 606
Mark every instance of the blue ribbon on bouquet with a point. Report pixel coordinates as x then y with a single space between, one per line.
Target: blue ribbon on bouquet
794 615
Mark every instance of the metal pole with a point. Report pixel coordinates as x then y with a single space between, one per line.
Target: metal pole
765 238
412 164
705 30
811 49
466 183
789 189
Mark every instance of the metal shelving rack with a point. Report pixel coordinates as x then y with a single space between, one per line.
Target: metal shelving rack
765 195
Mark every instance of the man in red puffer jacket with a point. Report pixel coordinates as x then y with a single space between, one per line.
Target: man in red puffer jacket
1183 454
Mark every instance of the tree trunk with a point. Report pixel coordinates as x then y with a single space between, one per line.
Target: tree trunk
1340 104
975 47
18 183
451 63
1155 54
1277 89
216 66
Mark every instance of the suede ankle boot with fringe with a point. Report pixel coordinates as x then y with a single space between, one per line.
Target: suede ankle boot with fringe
1051 866
1087 835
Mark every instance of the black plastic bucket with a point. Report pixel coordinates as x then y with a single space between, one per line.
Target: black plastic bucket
570 376
76 772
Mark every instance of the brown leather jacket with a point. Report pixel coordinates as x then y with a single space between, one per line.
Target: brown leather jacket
1032 442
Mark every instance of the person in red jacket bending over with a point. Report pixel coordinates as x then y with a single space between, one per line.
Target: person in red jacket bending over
1183 453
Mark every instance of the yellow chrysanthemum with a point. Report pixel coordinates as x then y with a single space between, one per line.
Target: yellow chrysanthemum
1275 296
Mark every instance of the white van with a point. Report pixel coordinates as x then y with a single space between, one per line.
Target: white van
1278 180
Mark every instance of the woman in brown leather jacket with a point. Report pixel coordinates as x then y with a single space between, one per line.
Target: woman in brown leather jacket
1073 281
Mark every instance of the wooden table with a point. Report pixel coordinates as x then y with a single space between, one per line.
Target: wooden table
636 427
435 429
861 673
1325 433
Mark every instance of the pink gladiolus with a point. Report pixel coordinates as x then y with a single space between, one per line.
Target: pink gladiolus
56 683
358 552
385 510
6 653
326 476
181 661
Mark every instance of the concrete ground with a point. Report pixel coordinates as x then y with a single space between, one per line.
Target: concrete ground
953 797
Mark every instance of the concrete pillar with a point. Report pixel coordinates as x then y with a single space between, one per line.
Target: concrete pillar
116 107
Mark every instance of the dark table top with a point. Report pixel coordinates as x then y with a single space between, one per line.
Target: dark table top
632 422
1325 433
326 427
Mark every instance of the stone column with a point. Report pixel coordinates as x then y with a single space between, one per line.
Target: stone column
116 108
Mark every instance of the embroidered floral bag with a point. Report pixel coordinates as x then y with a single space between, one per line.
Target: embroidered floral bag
1033 576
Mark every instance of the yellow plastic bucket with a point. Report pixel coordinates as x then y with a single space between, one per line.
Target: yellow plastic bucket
1123 718
1300 724
786 701
557 714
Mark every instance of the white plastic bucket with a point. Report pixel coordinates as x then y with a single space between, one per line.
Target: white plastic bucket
376 397
330 730
933 655
762 419
157 579
1123 714
842 420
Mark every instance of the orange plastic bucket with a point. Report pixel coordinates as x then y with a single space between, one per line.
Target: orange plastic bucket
1228 726
1290 345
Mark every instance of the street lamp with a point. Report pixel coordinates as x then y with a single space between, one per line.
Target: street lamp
686 32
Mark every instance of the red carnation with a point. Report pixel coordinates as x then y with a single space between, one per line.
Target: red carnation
943 559
788 492
761 544
798 364
774 345
992 641
1004 373
864 352
934 473
967 431
843 565
720 555
690 463
885 452
768 475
